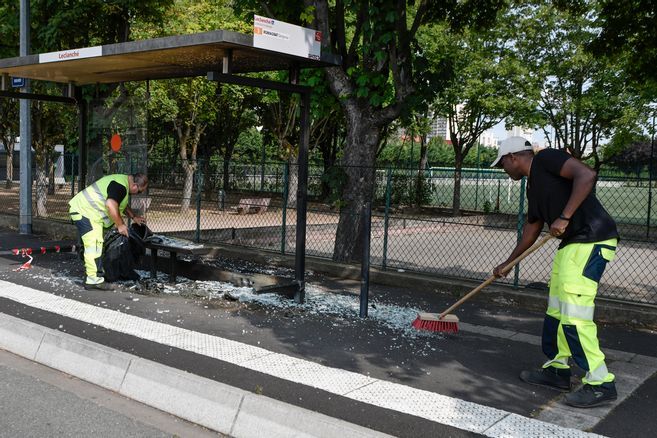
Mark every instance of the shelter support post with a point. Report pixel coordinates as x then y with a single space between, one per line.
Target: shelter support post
25 190
302 199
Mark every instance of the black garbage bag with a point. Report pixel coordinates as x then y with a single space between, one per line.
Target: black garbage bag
121 254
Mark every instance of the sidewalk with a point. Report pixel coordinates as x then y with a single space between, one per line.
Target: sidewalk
316 369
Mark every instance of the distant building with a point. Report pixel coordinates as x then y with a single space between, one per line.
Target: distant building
488 139
519 131
439 128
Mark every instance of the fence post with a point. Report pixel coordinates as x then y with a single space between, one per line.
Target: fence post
521 217
497 203
477 181
366 221
72 175
650 166
199 190
386 217
262 169
286 178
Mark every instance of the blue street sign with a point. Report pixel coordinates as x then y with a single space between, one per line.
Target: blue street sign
18 82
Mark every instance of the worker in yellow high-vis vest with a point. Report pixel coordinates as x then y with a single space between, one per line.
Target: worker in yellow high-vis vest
560 194
99 207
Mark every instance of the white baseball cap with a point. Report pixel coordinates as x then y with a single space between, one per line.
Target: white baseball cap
512 145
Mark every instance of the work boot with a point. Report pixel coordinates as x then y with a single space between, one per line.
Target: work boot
98 286
592 395
551 377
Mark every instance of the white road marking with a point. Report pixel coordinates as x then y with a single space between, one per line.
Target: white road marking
431 406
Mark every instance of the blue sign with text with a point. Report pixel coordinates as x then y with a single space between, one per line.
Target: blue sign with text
18 82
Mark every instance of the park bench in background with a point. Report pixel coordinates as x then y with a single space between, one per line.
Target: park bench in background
255 205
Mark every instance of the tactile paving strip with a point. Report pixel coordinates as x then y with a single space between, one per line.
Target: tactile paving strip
334 380
514 425
434 407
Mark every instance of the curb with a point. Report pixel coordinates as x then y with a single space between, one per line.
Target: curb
212 404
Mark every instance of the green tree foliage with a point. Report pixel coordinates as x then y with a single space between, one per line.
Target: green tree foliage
383 73
632 156
584 98
57 26
8 107
236 115
9 28
490 85
402 154
201 115
629 36
8 132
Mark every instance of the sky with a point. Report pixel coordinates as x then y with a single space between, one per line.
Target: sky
502 133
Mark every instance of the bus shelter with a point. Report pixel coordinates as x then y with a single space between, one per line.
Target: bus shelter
221 56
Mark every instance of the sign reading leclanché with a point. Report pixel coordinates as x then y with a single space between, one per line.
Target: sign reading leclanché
287 38
66 55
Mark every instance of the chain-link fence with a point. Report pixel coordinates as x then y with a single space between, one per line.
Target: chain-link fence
413 225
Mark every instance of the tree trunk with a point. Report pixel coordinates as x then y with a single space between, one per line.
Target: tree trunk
329 149
359 155
293 181
226 175
209 182
10 165
189 166
456 200
51 176
421 182
41 191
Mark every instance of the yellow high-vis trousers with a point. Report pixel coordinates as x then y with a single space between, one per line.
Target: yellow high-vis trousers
91 233
568 329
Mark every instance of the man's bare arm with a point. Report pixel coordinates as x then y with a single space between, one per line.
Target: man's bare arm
530 232
115 215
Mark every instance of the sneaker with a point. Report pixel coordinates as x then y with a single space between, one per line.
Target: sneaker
98 286
592 395
551 377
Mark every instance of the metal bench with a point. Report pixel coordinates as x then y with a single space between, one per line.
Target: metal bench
253 205
169 246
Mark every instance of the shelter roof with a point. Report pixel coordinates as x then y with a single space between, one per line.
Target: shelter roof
159 58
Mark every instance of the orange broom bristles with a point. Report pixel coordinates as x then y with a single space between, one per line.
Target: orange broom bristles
446 322
434 323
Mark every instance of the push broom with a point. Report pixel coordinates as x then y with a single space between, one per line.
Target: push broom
448 323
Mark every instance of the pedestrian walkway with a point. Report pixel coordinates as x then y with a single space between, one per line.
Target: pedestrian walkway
331 375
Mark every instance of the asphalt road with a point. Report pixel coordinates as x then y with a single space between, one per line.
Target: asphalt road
37 401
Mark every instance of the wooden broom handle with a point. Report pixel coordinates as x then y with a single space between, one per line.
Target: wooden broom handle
490 279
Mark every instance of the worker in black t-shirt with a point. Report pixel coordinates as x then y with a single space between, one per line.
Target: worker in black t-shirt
100 206
560 194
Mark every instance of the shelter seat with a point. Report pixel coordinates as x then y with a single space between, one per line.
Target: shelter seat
254 205
154 245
